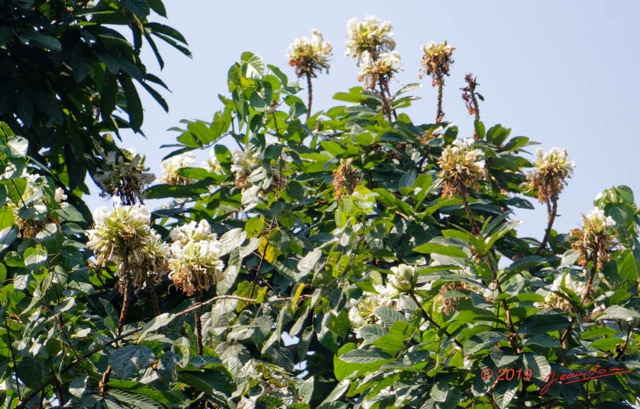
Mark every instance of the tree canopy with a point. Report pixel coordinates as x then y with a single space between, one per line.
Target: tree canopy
352 257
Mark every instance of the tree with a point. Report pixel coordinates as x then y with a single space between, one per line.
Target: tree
344 258
67 74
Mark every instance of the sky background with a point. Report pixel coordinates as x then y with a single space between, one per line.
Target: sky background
565 74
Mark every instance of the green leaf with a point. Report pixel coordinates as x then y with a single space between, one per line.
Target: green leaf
34 258
7 237
158 7
41 39
112 316
129 360
538 364
209 380
627 266
134 400
253 65
388 315
438 248
134 105
616 312
231 240
309 261
362 356
138 7
482 341
156 323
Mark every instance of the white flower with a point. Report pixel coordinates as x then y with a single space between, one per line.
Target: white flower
60 196
404 277
195 263
171 166
124 235
192 232
387 64
370 36
461 165
596 221
309 56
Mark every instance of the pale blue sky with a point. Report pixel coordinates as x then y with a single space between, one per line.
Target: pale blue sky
564 73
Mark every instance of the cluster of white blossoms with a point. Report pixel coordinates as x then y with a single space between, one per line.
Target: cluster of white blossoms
596 240
250 176
171 166
310 56
403 279
552 169
123 174
462 166
597 222
195 263
124 235
386 65
362 311
370 42
563 284
370 36
35 197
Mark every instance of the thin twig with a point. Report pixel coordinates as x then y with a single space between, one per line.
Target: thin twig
439 112
552 212
309 94
198 321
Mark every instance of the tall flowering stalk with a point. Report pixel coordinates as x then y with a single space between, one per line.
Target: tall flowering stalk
195 263
594 242
471 97
371 44
462 167
309 57
552 169
436 62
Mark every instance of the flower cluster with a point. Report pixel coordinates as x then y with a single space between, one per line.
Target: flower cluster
124 236
436 61
310 56
596 240
372 70
195 263
251 177
564 284
123 174
404 277
38 197
370 36
345 179
462 167
244 163
171 166
362 311
371 44
552 169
